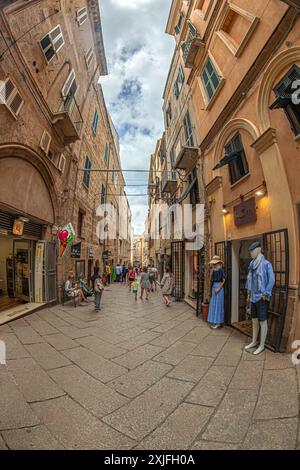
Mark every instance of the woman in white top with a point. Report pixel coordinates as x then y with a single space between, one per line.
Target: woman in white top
167 286
72 291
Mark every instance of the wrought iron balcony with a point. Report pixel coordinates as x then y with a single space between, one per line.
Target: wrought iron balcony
168 181
186 153
191 46
68 120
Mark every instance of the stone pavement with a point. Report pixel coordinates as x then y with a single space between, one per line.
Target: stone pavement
139 375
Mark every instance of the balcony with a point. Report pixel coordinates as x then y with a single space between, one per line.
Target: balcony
168 182
191 47
186 153
68 120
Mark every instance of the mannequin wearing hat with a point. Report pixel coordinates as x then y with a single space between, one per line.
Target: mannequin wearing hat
216 305
260 283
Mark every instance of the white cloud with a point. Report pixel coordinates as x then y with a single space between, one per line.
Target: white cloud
138 54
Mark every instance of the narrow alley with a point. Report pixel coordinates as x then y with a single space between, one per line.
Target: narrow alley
137 375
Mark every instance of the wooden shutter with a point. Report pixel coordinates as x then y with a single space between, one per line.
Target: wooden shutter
45 142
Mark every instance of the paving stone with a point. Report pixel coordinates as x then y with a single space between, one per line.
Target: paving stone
18 323
196 335
139 379
61 342
207 445
28 335
2 444
176 353
230 355
233 417
248 375
33 381
180 428
47 356
278 396
192 368
140 340
163 328
100 368
41 326
101 347
298 377
5 329
93 395
278 361
138 356
50 317
73 332
14 348
248 356
14 411
35 438
277 434
212 387
175 334
210 346
143 414
76 428
103 334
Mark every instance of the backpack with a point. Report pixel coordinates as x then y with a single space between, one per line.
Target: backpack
98 286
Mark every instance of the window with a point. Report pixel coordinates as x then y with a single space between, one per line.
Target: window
69 91
87 173
172 158
95 121
238 167
194 194
169 114
80 223
52 43
81 15
211 79
106 153
89 57
10 97
179 24
188 130
287 98
179 82
103 194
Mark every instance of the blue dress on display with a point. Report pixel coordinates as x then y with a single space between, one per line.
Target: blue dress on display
216 305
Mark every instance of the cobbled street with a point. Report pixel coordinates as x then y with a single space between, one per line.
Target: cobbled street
139 375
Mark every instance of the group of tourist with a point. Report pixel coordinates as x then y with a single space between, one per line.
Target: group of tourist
145 279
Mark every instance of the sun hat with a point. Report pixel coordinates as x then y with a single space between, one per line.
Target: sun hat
216 260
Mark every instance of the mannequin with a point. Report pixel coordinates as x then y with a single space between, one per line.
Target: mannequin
260 283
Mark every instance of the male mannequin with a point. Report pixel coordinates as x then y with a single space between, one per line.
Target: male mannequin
260 283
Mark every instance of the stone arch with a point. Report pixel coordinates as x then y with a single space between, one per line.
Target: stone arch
278 64
28 155
231 127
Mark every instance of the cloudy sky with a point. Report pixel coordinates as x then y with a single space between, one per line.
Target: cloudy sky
138 54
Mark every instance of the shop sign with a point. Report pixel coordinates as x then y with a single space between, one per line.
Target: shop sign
245 212
90 252
18 227
76 250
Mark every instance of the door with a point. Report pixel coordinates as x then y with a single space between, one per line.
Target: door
224 250
22 259
276 250
50 271
178 268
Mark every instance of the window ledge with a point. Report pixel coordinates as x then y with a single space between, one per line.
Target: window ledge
240 180
209 104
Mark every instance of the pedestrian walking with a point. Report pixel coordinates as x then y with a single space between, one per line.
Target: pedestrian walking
108 273
131 277
216 305
153 277
118 273
145 283
124 273
135 288
98 290
167 285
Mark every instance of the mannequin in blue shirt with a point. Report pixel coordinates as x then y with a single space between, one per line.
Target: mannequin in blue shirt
260 283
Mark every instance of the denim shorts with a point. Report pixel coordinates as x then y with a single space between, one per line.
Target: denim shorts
260 310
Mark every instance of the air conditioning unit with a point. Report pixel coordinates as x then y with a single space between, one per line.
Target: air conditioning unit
45 142
61 163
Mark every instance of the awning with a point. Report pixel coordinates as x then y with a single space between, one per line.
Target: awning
282 102
187 192
228 159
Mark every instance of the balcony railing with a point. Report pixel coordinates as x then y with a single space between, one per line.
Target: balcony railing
191 46
68 119
168 181
186 151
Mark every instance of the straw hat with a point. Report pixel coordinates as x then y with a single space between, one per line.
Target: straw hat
216 260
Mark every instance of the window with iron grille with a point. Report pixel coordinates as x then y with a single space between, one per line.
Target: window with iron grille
52 43
287 93
211 79
239 166
87 173
188 130
95 121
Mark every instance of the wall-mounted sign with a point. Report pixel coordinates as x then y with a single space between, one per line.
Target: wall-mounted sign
245 212
18 227
76 250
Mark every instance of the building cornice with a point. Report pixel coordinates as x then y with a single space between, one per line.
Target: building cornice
213 185
94 12
265 141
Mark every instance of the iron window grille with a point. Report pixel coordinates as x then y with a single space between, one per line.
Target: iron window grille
52 43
